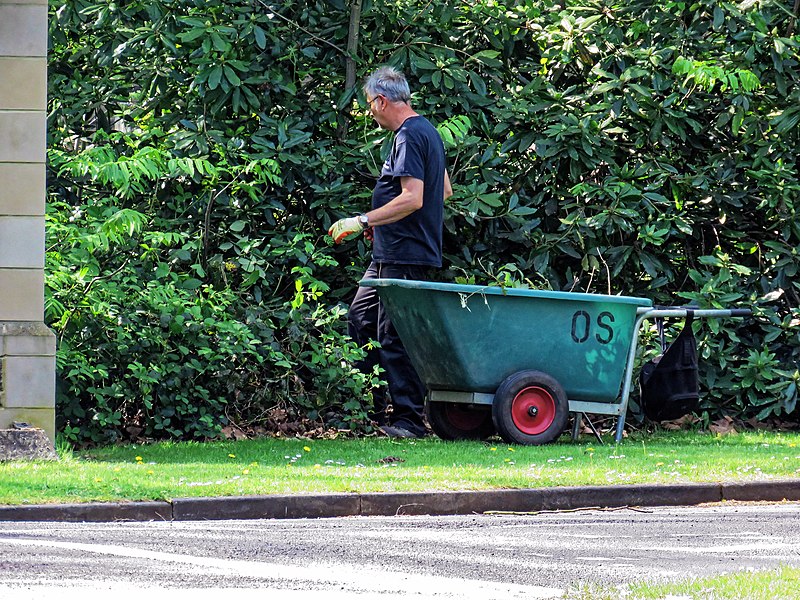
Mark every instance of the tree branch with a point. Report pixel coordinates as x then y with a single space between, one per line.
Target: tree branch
350 63
795 11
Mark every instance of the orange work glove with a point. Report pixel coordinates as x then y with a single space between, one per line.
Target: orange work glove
344 228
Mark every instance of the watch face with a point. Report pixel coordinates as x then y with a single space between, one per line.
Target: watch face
364 220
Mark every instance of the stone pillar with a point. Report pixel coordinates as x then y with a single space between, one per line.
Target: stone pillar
27 346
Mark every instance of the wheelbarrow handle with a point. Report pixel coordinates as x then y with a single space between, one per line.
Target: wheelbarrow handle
683 311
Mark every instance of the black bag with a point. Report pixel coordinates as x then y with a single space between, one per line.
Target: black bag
668 383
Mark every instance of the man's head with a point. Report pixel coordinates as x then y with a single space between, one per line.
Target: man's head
388 97
389 83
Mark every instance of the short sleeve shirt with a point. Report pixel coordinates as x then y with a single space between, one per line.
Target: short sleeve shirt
417 152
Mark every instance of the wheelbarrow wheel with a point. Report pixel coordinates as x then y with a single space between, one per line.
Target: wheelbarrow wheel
458 421
530 408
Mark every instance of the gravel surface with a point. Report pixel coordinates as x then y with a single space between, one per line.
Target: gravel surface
479 556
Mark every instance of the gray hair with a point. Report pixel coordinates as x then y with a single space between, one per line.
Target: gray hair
388 82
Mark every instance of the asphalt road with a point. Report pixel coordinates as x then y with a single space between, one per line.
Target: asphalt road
479 556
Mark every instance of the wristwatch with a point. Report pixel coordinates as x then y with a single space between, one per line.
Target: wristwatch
364 220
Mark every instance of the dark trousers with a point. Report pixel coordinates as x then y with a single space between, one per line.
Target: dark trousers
366 321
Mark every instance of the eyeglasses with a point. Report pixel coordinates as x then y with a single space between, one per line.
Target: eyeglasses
369 102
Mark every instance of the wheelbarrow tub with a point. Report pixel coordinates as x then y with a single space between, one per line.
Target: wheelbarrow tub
471 338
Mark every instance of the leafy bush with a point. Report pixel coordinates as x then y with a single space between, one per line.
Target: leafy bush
198 153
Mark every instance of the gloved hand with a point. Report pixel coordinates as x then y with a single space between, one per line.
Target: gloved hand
344 228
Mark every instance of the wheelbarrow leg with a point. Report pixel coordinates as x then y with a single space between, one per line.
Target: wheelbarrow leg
576 425
594 431
626 386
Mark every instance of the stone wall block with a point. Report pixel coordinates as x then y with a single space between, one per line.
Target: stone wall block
23 83
23 29
22 189
22 136
26 339
21 294
22 242
29 381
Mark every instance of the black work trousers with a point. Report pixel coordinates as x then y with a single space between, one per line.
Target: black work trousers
367 320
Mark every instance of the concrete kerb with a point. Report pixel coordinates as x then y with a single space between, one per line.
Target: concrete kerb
768 491
89 512
267 507
308 506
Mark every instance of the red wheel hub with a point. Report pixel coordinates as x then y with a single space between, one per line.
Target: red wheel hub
464 418
533 410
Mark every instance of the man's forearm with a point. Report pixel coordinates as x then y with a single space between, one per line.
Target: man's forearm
409 200
399 208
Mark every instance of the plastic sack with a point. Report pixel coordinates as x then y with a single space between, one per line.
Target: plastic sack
668 383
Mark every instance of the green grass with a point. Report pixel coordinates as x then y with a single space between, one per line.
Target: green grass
272 466
781 583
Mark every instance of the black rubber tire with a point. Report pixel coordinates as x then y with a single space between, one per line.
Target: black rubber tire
530 408
458 421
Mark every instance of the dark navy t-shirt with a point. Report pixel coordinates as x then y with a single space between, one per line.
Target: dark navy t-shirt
417 152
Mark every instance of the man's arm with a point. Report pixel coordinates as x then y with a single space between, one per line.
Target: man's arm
448 188
409 200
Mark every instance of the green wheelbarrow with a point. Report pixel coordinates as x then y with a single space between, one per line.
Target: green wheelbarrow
516 361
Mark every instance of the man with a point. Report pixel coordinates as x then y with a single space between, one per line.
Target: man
406 226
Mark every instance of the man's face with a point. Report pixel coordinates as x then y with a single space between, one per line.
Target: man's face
377 104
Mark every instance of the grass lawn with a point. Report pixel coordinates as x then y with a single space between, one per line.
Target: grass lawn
782 583
272 466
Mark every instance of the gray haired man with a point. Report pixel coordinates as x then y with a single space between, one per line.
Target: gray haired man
406 222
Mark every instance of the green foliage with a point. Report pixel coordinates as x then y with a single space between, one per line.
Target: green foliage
199 151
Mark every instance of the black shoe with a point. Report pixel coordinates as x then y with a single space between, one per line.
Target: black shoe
398 432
